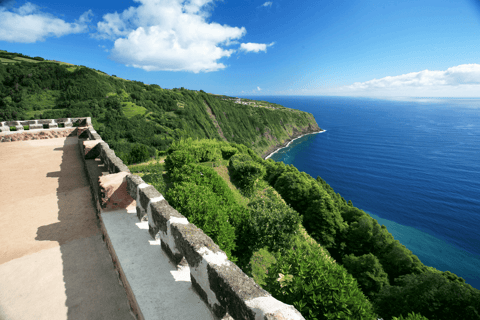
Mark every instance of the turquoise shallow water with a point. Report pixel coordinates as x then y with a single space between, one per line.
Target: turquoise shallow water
414 165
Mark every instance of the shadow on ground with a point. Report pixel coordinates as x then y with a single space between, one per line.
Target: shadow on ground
92 287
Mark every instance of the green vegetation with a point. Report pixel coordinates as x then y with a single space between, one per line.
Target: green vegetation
299 239
264 236
285 228
128 113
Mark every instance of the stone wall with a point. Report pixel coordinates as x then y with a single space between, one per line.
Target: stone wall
221 284
42 129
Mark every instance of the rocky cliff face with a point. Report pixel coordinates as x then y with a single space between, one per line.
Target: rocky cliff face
297 132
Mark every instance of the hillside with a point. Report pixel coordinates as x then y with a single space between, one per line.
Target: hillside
131 115
300 239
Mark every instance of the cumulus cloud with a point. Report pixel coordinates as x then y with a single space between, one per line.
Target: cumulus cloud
267 4
29 24
170 35
259 89
465 74
255 47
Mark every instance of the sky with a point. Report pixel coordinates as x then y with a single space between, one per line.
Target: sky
371 48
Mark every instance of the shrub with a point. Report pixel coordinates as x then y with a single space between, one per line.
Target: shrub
228 152
430 293
260 263
139 153
411 316
178 159
245 172
272 223
368 271
206 210
317 287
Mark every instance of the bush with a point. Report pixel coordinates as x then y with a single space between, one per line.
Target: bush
432 294
245 172
411 316
260 263
317 287
272 223
368 271
178 159
206 210
228 152
139 153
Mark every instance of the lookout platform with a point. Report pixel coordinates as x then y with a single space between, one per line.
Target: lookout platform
83 238
54 263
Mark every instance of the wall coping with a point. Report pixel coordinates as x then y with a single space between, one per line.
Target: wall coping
220 283
38 124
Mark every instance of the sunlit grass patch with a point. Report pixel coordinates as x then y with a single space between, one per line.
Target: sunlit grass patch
131 110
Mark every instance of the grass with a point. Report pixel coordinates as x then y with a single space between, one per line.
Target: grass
26 59
5 60
130 109
42 100
223 172
33 113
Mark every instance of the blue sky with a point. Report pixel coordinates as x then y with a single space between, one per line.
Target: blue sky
418 48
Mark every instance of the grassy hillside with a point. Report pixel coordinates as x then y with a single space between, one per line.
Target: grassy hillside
132 116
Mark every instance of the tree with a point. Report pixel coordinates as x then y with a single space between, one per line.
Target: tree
431 294
368 271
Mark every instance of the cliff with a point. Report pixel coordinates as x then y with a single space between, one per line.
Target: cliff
132 116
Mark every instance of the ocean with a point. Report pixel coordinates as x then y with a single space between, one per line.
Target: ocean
412 164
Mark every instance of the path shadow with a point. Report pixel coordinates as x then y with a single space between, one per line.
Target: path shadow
92 287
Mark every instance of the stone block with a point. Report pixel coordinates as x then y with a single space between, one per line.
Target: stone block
4 129
19 128
52 125
118 165
36 126
83 133
233 288
84 122
11 123
92 149
148 194
162 212
96 136
133 181
189 239
68 124
113 192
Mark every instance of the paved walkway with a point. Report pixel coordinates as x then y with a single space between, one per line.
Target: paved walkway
53 261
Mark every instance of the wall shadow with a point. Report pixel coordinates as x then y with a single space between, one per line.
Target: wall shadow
92 287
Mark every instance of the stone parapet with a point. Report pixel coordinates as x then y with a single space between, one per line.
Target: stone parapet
43 129
222 285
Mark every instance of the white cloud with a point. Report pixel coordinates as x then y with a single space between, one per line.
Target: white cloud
255 47
29 24
267 4
454 76
458 81
171 35
259 89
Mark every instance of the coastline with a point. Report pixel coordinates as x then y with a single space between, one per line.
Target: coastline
288 142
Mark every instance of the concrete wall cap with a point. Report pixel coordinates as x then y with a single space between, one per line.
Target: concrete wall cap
157 199
271 308
143 185
218 258
178 220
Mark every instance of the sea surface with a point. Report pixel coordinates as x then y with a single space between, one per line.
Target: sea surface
412 164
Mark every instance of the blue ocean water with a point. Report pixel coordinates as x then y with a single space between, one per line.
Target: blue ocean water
414 165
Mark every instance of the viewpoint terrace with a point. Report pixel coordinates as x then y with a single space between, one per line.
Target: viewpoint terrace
83 238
